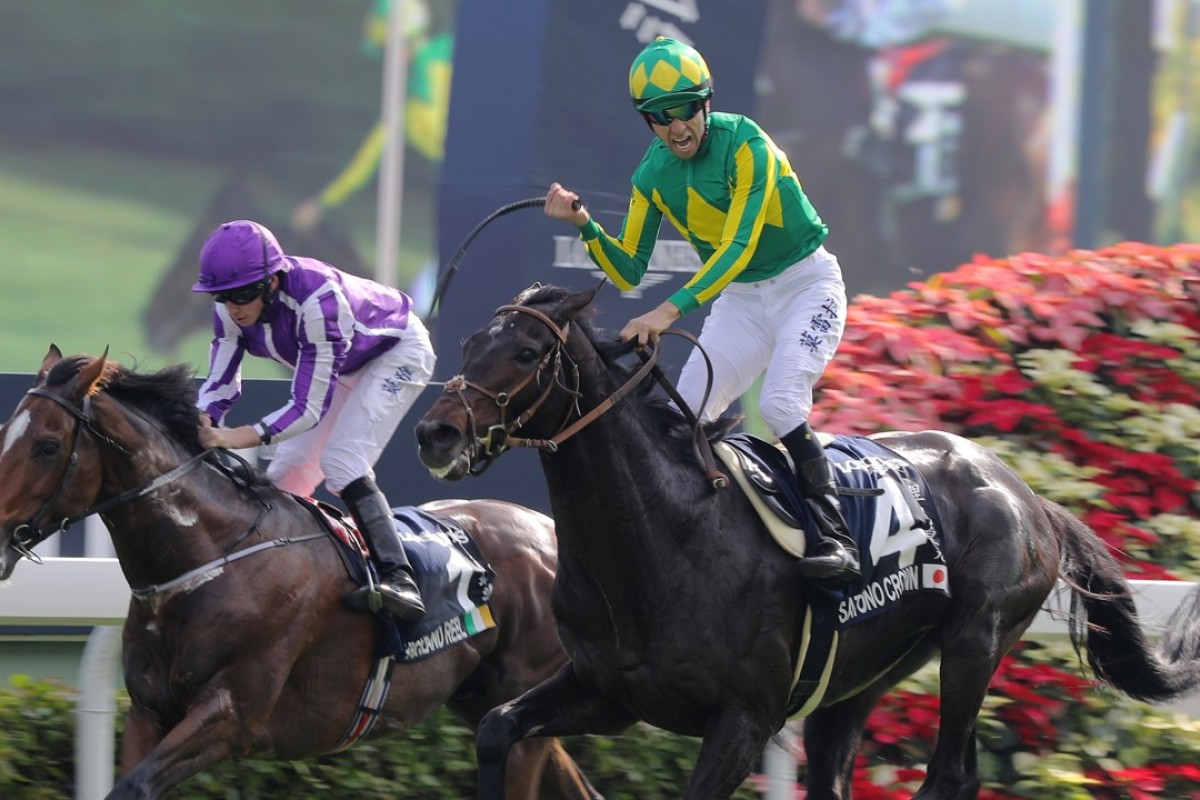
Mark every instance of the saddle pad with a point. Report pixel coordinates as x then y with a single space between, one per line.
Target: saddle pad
893 522
455 583
888 509
455 580
897 532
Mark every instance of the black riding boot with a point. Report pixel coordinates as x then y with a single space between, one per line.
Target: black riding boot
835 559
397 589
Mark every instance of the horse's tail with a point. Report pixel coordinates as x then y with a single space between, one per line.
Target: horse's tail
1103 610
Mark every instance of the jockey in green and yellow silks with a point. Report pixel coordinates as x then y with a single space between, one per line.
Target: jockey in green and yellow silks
748 235
778 302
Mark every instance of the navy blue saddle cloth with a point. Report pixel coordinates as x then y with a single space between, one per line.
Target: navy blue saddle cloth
455 580
886 503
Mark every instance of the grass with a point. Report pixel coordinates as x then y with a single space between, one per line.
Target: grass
80 259
85 234
123 117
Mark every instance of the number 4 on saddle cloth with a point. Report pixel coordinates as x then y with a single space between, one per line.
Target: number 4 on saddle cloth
454 579
887 506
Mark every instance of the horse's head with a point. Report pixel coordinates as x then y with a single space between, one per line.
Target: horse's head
516 376
43 454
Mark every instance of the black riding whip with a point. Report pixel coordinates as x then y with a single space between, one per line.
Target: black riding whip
452 266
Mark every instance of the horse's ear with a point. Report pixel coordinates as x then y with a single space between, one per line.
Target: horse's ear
573 303
53 356
90 379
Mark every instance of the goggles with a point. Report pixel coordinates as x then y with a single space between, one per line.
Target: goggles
668 115
242 294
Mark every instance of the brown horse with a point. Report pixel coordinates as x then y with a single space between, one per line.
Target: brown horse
677 608
237 644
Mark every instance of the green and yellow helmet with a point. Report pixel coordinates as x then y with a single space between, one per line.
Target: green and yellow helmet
668 73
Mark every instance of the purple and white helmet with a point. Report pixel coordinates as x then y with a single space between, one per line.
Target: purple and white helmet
237 254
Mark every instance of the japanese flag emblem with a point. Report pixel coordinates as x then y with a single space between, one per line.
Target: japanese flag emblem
935 576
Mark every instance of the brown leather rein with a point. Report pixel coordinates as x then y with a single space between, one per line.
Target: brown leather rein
500 436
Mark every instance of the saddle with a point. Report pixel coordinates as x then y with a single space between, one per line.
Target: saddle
455 580
767 476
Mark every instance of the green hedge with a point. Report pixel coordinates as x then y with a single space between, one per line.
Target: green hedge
432 761
1146 752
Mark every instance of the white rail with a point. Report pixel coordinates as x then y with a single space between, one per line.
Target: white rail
93 592
65 592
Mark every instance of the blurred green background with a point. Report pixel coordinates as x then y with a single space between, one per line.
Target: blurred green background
119 122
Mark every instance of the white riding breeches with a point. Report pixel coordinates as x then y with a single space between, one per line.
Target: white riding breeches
786 328
366 409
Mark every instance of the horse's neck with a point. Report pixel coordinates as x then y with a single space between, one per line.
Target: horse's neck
179 527
611 486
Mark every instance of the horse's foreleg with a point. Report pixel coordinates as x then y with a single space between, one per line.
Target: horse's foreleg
558 706
204 737
142 733
733 743
832 736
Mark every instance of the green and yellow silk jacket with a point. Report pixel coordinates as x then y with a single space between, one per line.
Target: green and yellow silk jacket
737 201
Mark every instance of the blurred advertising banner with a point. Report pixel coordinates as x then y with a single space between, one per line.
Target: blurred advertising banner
540 94
917 128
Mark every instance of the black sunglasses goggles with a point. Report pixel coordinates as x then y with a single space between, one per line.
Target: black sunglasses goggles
668 115
242 294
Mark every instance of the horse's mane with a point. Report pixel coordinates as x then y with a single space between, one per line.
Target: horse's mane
654 408
168 395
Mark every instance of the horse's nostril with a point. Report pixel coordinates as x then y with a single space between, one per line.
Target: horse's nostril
439 434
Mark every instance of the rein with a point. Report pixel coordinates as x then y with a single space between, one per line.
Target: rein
28 535
499 436
716 478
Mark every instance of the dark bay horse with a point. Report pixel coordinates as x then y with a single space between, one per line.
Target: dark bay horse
253 657
676 607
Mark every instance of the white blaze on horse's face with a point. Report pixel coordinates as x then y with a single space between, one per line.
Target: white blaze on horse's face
499 324
11 433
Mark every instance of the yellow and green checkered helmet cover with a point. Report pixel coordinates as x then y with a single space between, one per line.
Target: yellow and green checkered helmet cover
668 73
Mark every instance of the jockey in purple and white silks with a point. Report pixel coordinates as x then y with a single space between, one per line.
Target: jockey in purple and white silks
360 358
778 298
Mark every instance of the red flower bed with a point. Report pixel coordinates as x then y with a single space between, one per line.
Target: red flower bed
967 351
948 353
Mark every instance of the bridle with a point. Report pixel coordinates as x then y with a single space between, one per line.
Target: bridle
482 450
30 534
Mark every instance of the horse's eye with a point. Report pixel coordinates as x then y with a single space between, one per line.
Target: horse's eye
46 448
527 356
